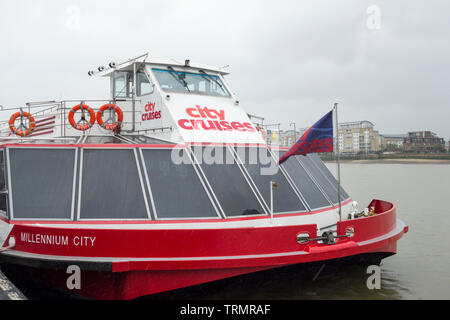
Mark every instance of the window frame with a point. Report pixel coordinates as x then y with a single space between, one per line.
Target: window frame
298 194
5 173
203 183
239 164
80 184
146 75
219 77
10 186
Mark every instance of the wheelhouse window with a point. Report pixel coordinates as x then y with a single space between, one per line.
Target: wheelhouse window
123 83
187 82
111 186
41 183
144 86
262 169
176 188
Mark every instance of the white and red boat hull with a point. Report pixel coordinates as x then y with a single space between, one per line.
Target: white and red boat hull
123 260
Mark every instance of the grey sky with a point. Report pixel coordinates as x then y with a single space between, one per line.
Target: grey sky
290 60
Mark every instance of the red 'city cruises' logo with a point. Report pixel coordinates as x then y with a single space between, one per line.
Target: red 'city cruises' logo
212 119
150 113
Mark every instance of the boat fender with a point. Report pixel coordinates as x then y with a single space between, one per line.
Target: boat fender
22 130
79 125
110 123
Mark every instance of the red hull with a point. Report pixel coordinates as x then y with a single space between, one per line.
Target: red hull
125 264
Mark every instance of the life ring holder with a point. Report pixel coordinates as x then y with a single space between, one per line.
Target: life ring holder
86 124
22 130
111 123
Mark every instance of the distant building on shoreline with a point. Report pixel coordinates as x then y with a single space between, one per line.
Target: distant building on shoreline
424 142
358 137
396 140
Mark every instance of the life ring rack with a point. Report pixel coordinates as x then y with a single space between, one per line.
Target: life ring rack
87 124
111 123
22 130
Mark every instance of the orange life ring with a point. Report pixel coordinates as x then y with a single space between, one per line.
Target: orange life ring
110 123
22 130
88 124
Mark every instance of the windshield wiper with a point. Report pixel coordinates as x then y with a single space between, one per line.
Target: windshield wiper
210 78
178 77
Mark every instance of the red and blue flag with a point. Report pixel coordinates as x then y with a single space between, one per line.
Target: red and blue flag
318 138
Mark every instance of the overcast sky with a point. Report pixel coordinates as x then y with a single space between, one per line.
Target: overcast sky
383 61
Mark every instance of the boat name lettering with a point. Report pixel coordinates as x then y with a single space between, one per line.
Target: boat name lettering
59 240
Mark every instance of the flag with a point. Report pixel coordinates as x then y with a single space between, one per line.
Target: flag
318 138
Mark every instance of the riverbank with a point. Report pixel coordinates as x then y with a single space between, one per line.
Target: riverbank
438 158
396 161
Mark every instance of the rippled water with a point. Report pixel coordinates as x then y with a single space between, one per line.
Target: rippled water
421 193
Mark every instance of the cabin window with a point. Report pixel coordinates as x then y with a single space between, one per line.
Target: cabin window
111 187
3 192
324 170
262 169
186 82
328 188
123 82
227 181
144 86
175 185
41 183
312 194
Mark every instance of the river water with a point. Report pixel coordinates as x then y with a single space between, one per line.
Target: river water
420 269
421 193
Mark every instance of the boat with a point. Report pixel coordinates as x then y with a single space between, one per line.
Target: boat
165 184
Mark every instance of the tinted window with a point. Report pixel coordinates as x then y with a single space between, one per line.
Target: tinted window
262 169
3 195
176 188
323 168
229 185
187 82
144 86
312 194
327 187
111 187
42 182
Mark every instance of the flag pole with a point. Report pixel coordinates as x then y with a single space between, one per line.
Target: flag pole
338 161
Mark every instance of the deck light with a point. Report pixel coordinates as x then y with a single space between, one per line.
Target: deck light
101 68
187 62
91 73
112 64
